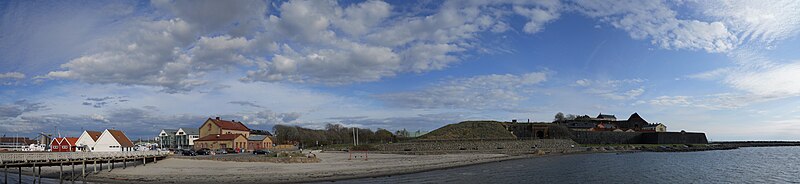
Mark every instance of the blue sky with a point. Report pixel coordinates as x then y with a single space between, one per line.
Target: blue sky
728 68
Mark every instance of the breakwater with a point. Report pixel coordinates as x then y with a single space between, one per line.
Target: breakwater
757 143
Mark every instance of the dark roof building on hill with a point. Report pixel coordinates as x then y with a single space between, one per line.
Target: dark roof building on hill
260 132
602 116
608 122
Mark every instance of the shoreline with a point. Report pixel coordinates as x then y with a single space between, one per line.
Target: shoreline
397 164
453 161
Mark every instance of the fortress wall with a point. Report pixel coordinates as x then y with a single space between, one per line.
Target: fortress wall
477 145
587 137
674 138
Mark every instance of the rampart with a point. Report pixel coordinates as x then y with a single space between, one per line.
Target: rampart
478 145
590 137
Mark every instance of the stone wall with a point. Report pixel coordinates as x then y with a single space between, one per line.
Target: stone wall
551 144
674 138
588 137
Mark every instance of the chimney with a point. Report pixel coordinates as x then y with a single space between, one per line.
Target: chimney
217 117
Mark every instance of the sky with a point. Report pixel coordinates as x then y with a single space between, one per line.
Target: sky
730 69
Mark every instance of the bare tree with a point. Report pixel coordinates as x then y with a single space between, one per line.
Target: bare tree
559 117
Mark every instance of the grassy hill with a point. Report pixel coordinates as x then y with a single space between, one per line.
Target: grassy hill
470 130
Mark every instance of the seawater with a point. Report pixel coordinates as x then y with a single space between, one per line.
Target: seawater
744 165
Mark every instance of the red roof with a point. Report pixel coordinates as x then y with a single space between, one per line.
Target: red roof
229 125
121 138
94 135
56 140
219 137
71 140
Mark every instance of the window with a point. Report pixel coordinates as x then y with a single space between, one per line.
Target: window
63 147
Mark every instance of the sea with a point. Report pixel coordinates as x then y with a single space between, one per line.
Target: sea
743 165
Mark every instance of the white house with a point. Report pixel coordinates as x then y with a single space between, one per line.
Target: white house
113 141
184 137
87 140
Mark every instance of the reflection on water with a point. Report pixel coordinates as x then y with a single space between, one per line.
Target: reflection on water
745 165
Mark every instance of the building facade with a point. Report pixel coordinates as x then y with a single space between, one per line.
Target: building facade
167 138
221 141
87 140
259 142
113 141
64 144
185 137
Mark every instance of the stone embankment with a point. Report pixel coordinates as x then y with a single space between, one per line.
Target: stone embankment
686 148
481 146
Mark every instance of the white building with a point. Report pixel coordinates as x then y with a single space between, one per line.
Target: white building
184 137
113 141
87 140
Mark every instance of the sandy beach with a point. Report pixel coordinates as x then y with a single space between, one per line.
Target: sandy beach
333 166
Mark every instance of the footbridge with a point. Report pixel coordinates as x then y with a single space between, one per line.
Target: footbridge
83 160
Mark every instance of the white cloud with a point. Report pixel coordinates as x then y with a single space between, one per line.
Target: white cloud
328 43
479 92
538 16
671 101
351 63
237 18
583 82
720 101
758 77
654 20
780 80
358 19
626 89
12 75
149 56
758 21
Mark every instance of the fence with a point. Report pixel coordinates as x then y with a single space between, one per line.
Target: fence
59 156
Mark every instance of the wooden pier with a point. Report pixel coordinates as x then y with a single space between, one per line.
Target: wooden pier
37 160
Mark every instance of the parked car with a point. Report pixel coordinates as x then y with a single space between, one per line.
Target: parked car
189 153
261 152
203 151
220 151
230 150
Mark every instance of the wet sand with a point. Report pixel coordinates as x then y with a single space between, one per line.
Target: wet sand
333 166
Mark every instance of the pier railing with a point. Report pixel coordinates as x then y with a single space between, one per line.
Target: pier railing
67 156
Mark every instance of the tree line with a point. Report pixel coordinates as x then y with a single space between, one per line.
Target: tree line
332 134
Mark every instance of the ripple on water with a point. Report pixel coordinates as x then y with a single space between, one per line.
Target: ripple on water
745 165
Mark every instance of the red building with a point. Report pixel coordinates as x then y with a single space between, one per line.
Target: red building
65 144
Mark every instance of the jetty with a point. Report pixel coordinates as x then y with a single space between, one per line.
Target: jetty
83 160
